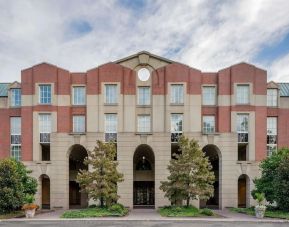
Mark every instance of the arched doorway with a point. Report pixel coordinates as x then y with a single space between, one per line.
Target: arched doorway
77 155
213 153
143 177
45 191
243 191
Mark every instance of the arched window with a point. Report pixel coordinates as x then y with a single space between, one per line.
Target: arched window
143 164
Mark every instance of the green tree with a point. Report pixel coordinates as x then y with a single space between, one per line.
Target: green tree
269 181
100 182
191 174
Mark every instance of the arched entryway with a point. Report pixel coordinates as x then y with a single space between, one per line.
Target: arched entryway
77 155
214 155
243 191
143 177
45 191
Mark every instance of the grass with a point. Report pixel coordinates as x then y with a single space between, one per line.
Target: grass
94 212
191 211
13 214
270 213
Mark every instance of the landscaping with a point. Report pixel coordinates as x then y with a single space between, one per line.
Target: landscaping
116 210
184 211
270 213
12 214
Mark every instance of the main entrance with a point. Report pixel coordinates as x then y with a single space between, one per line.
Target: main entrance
143 177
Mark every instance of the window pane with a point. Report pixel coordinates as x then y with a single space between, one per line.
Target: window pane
242 94
111 93
144 96
271 125
176 123
110 123
208 124
144 123
78 123
177 93
209 95
242 122
45 94
44 123
15 124
272 97
16 152
15 97
78 96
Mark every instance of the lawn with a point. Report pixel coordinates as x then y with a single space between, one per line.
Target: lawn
270 213
191 211
13 214
95 212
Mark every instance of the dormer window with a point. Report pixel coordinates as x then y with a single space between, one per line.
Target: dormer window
15 98
272 97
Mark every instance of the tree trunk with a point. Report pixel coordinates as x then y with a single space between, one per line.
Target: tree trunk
101 202
188 201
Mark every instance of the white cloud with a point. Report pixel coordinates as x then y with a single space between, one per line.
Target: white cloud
208 35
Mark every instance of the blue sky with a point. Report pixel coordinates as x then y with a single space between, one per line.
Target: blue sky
206 34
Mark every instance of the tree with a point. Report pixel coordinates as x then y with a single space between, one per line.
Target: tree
272 171
15 184
100 182
190 174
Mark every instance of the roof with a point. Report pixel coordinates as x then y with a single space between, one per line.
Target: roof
4 89
284 89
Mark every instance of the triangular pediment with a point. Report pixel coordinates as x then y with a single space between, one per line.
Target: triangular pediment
272 84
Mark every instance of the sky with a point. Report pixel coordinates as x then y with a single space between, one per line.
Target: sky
78 35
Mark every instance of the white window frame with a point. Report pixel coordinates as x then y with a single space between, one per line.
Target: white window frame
272 131
144 123
110 96
45 127
15 101
78 95
209 97
78 122
47 96
272 98
177 117
242 130
15 130
177 93
243 94
209 124
110 123
144 95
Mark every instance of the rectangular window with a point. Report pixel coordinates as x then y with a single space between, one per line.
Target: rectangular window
209 95
78 95
79 124
242 127
15 99
144 96
177 93
45 127
15 139
110 127
176 126
144 123
111 93
272 97
242 94
45 94
271 135
208 124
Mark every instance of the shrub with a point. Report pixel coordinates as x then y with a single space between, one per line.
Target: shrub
207 212
118 208
92 206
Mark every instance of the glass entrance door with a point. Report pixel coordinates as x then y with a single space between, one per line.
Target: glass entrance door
144 193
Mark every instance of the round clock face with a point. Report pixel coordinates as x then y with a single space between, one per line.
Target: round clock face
143 74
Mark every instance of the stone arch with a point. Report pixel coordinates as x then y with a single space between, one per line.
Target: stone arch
144 177
244 191
44 183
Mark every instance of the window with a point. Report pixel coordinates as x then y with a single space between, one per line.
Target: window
177 94
242 94
209 95
271 135
15 138
242 127
79 124
44 127
110 127
144 96
45 94
111 93
144 123
176 126
272 97
208 124
15 99
78 95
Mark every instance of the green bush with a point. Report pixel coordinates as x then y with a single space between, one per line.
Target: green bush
92 206
29 199
118 208
207 212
